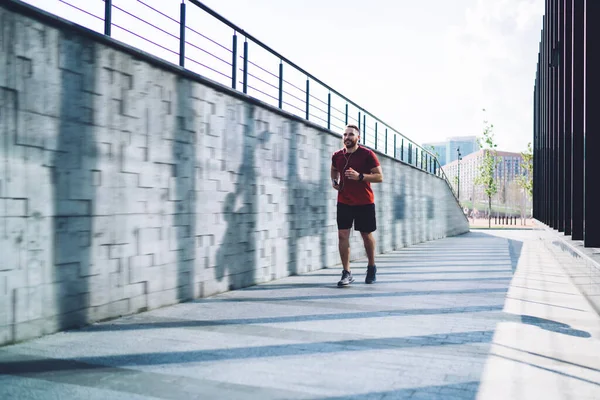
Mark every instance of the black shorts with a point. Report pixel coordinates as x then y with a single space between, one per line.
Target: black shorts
363 217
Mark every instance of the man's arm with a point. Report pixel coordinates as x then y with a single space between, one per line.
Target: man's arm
375 176
335 176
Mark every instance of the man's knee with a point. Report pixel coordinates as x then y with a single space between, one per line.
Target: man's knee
367 235
344 234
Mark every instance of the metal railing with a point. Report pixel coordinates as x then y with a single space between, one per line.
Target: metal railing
183 38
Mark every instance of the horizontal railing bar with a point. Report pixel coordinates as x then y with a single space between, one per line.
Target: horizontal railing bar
261 68
209 39
296 87
318 99
297 108
339 119
207 52
287 61
317 117
320 109
146 22
340 111
207 67
158 11
260 91
82 10
148 40
294 96
262 80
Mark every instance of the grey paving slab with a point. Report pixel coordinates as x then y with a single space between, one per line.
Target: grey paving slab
486 315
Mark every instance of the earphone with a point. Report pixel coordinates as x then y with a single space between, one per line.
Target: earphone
342 173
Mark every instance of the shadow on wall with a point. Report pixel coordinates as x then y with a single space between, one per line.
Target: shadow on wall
307 201
236 258
74 180
184 156
399 183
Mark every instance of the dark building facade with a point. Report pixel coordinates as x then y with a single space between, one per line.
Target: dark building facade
567 120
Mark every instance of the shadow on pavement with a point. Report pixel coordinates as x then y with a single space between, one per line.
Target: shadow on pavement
463 391
553 326
356 295
379 282
514 249
545 369
30 367
548 357
293 318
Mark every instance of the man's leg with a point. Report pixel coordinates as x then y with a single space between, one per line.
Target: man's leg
366 224
369 241
345 219
344 247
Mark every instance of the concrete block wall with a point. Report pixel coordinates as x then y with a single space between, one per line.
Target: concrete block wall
126 186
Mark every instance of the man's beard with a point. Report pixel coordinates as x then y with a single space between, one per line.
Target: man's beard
350 143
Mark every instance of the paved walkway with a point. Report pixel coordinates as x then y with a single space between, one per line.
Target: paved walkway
489 314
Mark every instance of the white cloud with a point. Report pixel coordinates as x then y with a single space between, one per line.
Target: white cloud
492 59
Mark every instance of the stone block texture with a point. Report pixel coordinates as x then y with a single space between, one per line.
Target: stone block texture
125 186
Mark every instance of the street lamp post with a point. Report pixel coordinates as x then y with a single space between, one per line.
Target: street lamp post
459 158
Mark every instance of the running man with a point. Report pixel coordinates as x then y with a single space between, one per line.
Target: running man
353 169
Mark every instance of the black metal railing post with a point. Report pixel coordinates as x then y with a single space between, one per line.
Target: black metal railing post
591 197
329 110
346 113
280 84
107 16
234 62
245 78
359 119
375 135
577 127
307 99
182 34
386 140
365 128
402 151
395 151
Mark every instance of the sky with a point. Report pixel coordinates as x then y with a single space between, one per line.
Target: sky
427 68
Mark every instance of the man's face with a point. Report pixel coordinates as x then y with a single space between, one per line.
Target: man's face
350 137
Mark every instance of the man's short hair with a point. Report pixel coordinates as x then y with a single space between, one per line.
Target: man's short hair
354 127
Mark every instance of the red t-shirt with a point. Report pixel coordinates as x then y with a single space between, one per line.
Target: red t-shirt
355 193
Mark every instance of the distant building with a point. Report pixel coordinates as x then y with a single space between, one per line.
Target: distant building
447 150
509 193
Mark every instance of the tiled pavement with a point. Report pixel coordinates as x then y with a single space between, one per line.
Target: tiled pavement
489 314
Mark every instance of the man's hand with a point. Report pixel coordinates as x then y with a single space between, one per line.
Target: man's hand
334 178
351 174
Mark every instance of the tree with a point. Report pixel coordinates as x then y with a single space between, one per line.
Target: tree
433 151
525 179
487 170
